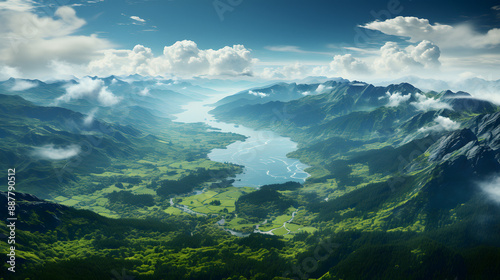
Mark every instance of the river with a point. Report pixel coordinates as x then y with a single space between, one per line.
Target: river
263 153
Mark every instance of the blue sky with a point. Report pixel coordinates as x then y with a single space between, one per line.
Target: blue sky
279 39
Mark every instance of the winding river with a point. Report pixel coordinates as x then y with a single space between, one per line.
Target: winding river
263 153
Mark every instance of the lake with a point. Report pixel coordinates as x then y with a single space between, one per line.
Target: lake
263 153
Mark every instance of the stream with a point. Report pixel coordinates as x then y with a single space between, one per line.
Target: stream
263 155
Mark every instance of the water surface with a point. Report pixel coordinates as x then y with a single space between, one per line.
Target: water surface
263 153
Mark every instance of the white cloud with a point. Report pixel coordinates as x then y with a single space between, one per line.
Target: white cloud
293 49
90 88
393 59
7 72
66 71
390 59
136 18
419 29
144 92
424 103
89 119
183 58
31 41
17 5
442 124
305 93
425 53
289 71
492 188
257 93
51 152
21 85
347 64
322 88
396 98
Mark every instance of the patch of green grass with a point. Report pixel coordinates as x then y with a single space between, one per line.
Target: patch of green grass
280 231
309 229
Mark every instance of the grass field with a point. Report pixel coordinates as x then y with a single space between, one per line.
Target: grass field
227 197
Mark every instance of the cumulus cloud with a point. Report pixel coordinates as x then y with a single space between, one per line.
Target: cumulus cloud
31 41
21 85
441 124
183 58
347 64
305 93
395 99
420 29
390 59
425 103
257 93
90 88
393 59
51 152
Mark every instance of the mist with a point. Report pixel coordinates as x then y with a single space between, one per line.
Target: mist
491 188
51 152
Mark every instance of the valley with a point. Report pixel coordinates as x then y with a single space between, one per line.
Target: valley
252 185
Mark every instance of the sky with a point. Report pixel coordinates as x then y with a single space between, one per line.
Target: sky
250 39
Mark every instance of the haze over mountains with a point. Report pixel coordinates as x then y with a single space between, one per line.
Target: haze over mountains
395 170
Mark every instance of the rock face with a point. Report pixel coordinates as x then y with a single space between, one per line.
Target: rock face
482 160
461 153
451 143
488 128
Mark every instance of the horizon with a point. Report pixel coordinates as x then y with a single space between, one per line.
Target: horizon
372 41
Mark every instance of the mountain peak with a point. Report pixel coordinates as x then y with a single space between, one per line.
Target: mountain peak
451 94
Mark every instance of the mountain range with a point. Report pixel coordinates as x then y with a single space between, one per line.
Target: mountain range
403 185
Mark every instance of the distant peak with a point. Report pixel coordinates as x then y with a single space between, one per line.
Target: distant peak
451 94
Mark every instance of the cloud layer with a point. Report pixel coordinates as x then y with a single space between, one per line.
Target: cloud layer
395 99
32 41
419 29
37 45
492 189
425 103
21 85
183 58
90 88
51 152
442 124
390 59
347 64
